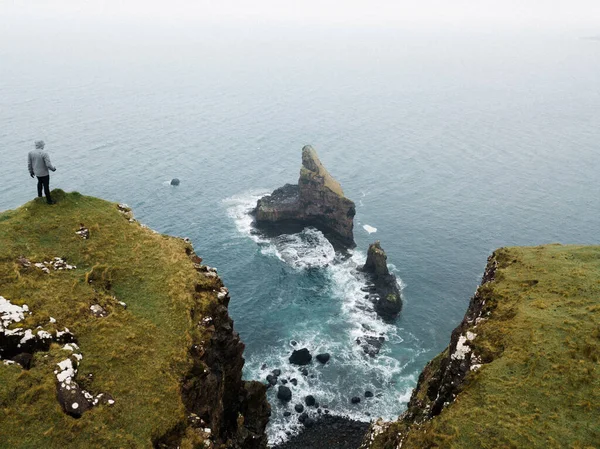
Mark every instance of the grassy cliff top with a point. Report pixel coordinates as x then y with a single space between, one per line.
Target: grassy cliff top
541 385
138 354
312 166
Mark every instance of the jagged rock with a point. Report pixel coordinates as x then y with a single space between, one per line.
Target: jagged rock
317 200
301 357
24 359
371 344
98 311
72 399
284 394
387 298
323 358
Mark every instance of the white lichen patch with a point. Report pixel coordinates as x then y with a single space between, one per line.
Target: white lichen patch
223 292
462 349
66 371
11 313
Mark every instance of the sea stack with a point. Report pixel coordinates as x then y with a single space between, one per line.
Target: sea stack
387 299
317 200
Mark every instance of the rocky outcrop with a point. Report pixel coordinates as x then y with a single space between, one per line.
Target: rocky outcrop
385 292
317 200
442 378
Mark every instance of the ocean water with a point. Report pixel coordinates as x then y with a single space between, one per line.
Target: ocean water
450 145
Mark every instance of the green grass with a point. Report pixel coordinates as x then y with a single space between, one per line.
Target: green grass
542 386
139 354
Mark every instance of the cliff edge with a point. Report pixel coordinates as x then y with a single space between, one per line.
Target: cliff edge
112 335
522 368
317 200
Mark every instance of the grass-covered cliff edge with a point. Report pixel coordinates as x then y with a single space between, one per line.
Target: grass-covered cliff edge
522 369
129 323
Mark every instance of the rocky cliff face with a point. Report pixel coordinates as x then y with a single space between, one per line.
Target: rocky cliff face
386 295
213 391
317 200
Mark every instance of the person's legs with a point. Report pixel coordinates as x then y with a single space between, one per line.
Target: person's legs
46 183
39 186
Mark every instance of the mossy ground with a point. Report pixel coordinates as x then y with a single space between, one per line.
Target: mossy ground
542 386
138 354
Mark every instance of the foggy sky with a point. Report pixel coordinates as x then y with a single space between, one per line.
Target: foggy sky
414 13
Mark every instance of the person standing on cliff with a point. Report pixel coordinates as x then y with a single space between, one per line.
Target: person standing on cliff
38 163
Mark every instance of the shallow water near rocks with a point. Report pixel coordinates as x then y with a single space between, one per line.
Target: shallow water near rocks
450 145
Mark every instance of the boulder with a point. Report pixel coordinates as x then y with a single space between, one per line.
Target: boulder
317 200
286 414
284 394
299 408
310 400
301 357
294 381
368 394
384 289
355 400
323 358
272 380
175 181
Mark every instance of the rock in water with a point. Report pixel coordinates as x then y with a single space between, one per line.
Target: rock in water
323 358
284 394
388 301
175 181
317 200
301 357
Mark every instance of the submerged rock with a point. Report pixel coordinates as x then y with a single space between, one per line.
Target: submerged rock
387 299
317 200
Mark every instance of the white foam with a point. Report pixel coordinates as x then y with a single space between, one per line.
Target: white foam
239 208
370 229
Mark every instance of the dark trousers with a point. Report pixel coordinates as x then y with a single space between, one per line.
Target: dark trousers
44 181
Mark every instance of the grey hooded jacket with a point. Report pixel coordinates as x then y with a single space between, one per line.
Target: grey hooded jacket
39 163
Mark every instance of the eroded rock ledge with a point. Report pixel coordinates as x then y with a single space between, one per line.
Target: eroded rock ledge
317 200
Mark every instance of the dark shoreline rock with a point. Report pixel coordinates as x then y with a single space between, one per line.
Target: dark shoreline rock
317 200
386 295
327 431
